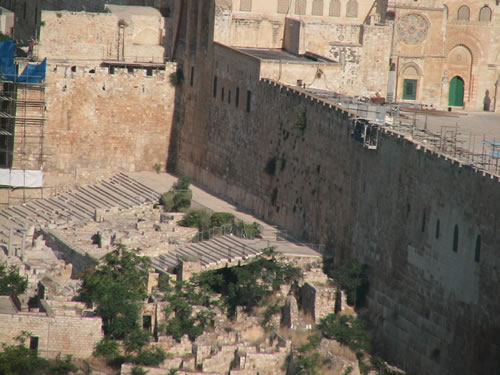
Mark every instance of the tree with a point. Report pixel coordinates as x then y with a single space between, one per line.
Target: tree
118 286
19 360
11 282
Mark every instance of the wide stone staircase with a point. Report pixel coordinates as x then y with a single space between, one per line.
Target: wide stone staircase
210 253
119 192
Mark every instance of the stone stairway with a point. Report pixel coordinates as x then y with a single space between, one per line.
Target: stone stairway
120 192
210 253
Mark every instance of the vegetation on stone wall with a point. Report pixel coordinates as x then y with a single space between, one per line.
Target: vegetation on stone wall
353 278
301 120
203 220
181 318
11 282
17 359
118 287
176 78
347 330
178 198
249 285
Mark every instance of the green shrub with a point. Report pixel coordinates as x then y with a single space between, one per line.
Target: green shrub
118 287
308 364
218 219
157 168
107 348
196 219
176 201
182 184
249 230
136 340
149 357
352 277
136 370
346 330
249 285
164 282
176 77
11 282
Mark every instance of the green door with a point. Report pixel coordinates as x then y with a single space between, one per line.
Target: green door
456 95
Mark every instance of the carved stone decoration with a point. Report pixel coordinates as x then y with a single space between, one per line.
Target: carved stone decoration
412 29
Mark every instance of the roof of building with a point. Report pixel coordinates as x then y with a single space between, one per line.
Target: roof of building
7 306
283 55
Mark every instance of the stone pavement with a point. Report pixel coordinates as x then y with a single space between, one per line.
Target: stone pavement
271 235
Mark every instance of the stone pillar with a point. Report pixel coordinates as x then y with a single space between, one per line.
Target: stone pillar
11 243
496 101
23 246
445 89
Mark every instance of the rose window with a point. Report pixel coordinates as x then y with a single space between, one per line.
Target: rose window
412 29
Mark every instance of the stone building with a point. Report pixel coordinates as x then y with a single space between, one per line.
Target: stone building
58 328
445 53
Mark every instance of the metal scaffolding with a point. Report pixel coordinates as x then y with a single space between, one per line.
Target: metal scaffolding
22 123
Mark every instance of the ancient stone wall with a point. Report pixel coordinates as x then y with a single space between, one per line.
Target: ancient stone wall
126 35
99 118
396 208
58 335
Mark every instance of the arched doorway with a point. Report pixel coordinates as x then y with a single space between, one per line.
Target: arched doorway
456 95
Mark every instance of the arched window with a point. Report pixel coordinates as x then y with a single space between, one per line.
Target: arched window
300 7
485 14
477 253
445 11
246 5
334 8
283 6
317 8
455 239
438 228
463 13
352 9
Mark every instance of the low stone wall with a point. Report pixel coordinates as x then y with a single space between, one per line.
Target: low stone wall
80 261
57 335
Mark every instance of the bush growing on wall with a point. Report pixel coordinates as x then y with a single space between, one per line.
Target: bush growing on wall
179 197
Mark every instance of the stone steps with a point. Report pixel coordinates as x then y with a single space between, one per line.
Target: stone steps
218 250
120 191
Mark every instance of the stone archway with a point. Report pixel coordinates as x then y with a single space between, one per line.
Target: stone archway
456 93
459 67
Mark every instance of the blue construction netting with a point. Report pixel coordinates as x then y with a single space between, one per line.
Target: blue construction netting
32 73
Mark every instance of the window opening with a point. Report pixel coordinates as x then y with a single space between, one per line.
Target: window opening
34 343
410 89
352 9
477 253
249 100
455 239
463 13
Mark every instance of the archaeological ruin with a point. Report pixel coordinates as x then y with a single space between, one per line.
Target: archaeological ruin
363 129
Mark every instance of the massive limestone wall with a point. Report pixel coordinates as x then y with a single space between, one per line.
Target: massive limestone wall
100 119
425 225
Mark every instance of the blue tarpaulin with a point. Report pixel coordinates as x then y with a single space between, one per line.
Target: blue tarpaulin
33 73
7 67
